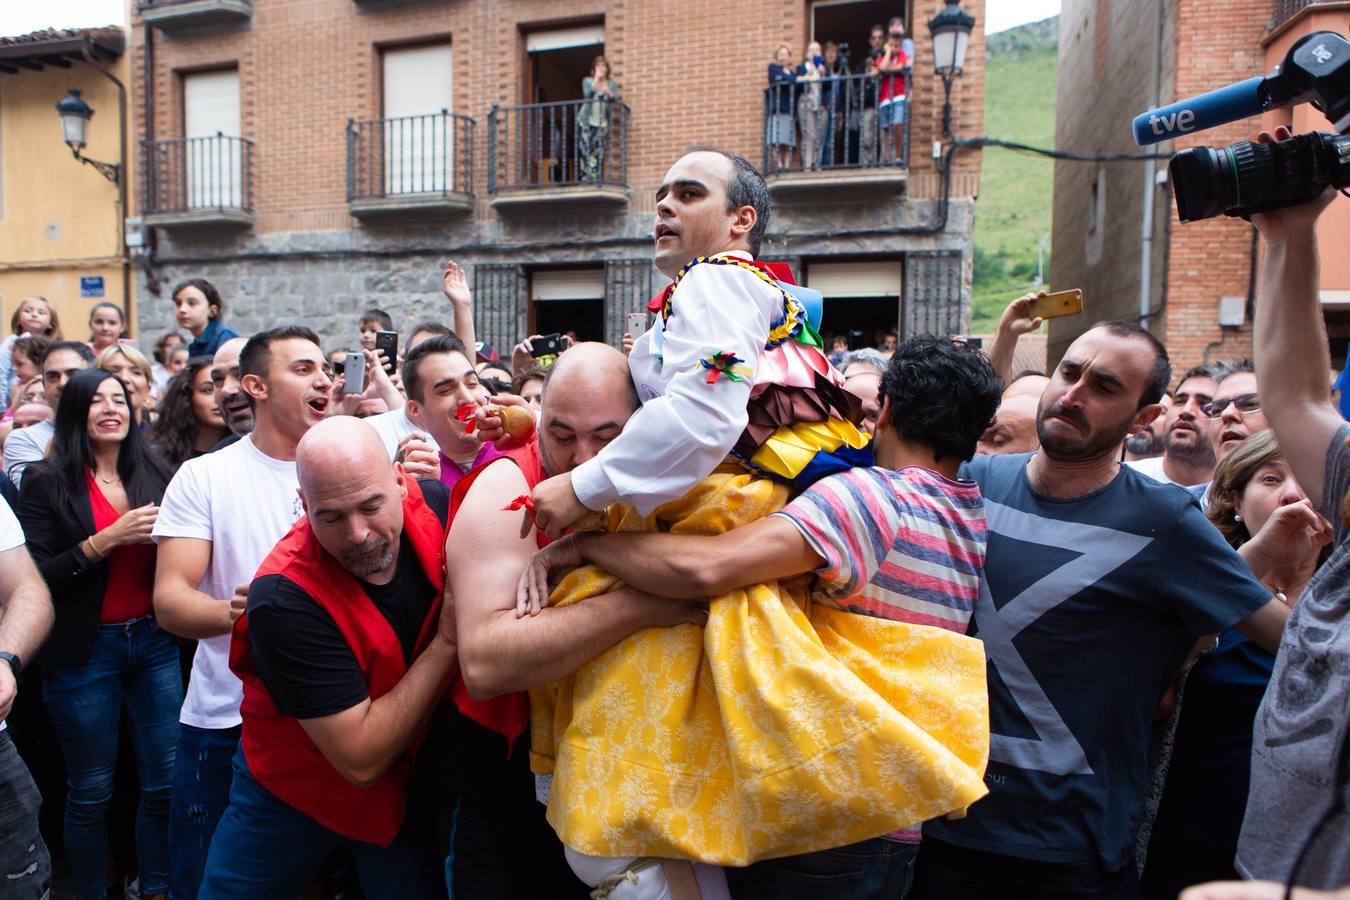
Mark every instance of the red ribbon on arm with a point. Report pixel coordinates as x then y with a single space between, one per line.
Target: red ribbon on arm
525 502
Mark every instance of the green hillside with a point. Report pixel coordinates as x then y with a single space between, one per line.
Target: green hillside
1013 211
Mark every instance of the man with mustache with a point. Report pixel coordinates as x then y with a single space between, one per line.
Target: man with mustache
222 513
345 649
1083 634
230 397
1188 455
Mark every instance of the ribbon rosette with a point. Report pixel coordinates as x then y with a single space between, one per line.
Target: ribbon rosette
721 363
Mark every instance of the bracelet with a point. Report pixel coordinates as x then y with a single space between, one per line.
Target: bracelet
92 546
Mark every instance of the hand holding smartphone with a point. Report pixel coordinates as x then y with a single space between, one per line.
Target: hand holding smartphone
1060 303
354 372
637 324
387 341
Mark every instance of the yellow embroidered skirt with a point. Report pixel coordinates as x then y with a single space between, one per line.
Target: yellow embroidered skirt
782 727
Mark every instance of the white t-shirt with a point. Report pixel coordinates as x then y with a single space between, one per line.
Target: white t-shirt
392 427
1153 468
243 502
11 536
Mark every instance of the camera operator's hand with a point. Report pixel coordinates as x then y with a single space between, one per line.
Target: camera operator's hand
1295 221
521 356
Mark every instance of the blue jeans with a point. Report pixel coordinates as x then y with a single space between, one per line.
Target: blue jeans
132 671
267 849
201 791
877 868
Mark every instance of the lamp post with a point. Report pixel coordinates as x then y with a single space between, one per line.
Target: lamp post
75 115
951 30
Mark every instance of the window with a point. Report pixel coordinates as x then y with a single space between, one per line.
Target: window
212 150
419 134
563 300
862 299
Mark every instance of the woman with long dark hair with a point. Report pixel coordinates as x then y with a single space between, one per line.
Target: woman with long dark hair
189 422
88 512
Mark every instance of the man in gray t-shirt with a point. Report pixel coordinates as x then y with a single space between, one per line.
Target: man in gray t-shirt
1300 756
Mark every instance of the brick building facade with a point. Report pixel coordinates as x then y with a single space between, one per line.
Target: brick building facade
321 205
1112 52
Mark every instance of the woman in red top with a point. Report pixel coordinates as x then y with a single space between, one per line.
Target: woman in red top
87 514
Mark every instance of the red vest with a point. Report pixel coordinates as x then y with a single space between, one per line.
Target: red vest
279 753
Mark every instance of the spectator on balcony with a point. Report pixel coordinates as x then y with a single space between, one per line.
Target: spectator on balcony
781 136
198 308
832 91
810 110
600 93
893 66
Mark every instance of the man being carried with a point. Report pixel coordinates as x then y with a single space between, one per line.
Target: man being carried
902 540
343 653
732 367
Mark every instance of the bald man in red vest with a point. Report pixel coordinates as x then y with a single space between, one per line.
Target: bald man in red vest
345 649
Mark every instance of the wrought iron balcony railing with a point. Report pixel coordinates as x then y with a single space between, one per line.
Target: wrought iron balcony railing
554 145
197 180
837 123
410 162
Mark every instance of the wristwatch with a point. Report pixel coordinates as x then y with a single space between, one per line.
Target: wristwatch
15 663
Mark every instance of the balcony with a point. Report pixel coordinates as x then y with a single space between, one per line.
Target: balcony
852 154
172 15
197 182
1284 10
410 167
558 155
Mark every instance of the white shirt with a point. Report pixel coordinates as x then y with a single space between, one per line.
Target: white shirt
27 445
11 536
243 502
686 427
392 427
1153 468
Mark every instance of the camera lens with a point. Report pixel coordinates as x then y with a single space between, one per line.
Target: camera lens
1245 177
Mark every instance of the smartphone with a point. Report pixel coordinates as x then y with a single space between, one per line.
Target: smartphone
355 373
637 323
1060 303
548 345
388 342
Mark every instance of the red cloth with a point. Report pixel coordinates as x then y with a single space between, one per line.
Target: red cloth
893 86
506 714
131 567
779 270
280 755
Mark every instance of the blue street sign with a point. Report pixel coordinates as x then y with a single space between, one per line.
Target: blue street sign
91 285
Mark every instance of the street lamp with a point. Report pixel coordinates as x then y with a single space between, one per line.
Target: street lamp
75 115
951 35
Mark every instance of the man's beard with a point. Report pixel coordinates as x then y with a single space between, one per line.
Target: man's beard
1062 449
1199 454
545 460
1145 443
368 558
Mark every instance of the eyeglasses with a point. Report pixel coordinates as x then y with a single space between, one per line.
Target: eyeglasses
1243 403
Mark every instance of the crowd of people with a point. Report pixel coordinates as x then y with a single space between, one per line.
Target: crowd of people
727 613
834 111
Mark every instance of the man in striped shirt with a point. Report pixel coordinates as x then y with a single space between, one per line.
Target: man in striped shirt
903 540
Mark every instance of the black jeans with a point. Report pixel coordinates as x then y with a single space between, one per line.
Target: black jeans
877 868
946 871
25 867
494 839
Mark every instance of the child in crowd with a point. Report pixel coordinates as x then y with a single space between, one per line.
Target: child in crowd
374 320
35 316
107 326
26 360
198 308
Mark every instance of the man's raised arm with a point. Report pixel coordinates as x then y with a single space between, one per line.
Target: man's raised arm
1290 342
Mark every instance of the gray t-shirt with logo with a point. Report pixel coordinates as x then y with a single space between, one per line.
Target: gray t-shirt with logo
1300 756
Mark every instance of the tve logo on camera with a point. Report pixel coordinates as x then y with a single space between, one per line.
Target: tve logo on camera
1182 120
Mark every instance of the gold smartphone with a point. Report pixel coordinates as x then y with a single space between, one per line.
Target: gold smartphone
1060 303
